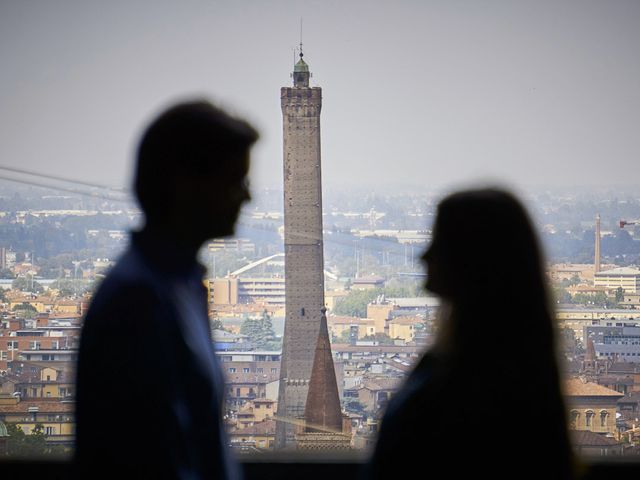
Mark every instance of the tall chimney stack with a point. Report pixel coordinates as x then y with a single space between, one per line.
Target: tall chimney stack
597 256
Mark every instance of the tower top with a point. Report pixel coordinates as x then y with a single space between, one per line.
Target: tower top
301 65
301 72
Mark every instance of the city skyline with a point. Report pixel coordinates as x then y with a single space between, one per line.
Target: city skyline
429 94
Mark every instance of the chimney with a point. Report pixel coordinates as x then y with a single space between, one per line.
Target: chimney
597 256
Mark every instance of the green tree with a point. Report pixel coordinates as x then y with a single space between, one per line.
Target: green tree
344 337
599 299
260 332
250 327
15 442
381 338
25 310
35 444
619 294
355 304
27 284
27 446
562 296
66 286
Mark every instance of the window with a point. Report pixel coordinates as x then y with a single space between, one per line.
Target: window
12 345
49 430
589 418
33 345
573 418
245 370
232 370
603 418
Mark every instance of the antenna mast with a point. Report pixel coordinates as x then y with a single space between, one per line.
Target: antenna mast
301 54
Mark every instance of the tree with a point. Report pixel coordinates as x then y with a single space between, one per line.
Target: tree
355 304
15 443
25 310
561 295
27 284
66 287
344 337
619 294
35 444
251 328
381 338
23 445
260 332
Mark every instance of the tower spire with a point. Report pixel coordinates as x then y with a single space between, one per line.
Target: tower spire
323 402
301 72
301 54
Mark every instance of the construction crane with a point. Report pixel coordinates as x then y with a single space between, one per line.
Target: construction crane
624 223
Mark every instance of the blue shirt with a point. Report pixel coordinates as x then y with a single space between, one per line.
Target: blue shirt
150 392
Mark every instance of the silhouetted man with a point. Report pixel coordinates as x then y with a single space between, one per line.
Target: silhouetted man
149 389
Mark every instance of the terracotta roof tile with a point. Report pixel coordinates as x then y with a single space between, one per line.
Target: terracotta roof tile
267 427
576 387
44 406
585 438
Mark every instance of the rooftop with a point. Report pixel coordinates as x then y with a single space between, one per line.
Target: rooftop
619 271
301 66
577 387
268 427
586 438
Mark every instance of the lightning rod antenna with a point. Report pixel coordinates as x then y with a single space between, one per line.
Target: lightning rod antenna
301 54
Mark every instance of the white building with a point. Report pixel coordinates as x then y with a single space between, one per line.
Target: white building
625 277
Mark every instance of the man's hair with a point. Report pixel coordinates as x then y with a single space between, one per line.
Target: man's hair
188 140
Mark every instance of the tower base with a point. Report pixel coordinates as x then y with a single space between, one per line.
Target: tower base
323 441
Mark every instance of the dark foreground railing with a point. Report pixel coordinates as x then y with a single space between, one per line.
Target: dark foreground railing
288 469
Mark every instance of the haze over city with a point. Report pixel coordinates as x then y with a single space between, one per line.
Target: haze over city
421 93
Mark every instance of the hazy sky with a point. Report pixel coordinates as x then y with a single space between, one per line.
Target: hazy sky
424 93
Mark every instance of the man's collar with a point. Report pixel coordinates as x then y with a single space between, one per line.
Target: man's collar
165 254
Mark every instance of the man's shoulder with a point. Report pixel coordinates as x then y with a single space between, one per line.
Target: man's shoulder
130 282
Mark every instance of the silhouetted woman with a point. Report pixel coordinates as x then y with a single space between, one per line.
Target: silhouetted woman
485 401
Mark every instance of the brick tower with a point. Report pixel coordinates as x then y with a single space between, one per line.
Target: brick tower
303 247
325 428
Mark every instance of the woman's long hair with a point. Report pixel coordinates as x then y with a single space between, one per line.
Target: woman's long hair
486 264
496 327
